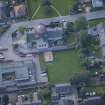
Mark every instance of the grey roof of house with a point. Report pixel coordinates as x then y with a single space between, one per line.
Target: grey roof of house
63 88
93 101
20 69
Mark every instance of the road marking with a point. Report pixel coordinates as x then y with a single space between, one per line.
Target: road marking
56 10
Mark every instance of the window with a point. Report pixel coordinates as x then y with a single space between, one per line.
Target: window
8 76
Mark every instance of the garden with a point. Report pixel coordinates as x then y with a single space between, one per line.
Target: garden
65 66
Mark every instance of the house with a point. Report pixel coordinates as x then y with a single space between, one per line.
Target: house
97 3
40 39
63 89
55 36
20 10
92 101
43 38
16 75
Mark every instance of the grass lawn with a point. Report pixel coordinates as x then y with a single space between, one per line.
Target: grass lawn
32 5
96 21
66 64
63 6
42 14
100 90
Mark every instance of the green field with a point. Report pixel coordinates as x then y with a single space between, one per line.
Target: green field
100 90
66 64
96 21
63 6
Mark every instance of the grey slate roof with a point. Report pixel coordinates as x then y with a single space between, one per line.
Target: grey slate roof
21 69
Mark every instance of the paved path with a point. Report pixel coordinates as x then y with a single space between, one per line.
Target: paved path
39 77
37 65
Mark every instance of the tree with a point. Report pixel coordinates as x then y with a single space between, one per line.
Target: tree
80 24
70 27
85 42
0 100
21 29
85 39
103 99
81 78
68 31
2 29
5 100
14 34
46 6
45 95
